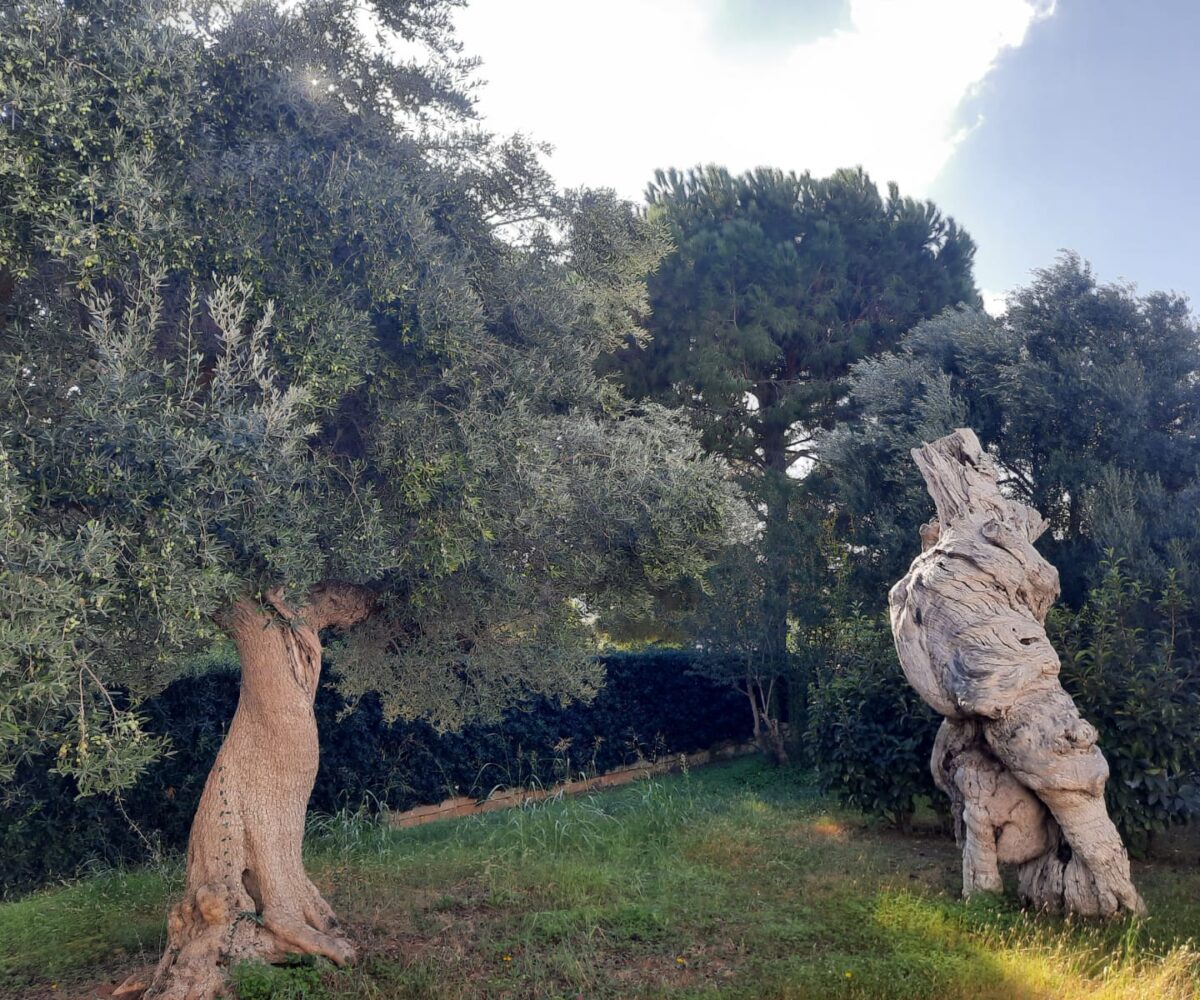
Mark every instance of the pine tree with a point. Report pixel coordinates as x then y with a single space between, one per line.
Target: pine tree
778 283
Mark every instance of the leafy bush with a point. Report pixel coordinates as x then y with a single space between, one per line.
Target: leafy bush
870 735
1129 661
651 703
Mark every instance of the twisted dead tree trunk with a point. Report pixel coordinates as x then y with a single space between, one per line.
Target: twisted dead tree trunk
1021 766
247 895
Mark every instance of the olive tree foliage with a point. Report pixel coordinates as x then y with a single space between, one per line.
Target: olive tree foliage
1087 396
276 311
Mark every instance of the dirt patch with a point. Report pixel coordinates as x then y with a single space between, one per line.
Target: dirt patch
829 829
725 851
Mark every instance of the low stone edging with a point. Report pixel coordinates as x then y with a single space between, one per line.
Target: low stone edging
509 798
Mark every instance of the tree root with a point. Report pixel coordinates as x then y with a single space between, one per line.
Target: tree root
218 925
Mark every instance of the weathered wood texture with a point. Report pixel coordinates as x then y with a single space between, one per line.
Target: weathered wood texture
1020 765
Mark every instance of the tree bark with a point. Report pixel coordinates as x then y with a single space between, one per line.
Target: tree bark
778 555
768 734
768 729
777 599
1021 766
7 288
247 895
758 733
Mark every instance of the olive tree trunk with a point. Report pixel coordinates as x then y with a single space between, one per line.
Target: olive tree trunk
1021 766
247 895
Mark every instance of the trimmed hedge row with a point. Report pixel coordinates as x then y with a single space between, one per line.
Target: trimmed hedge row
651 704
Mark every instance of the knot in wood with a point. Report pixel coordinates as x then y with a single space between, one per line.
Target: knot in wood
212 904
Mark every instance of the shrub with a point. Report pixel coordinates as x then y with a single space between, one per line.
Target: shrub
1129 661
870 735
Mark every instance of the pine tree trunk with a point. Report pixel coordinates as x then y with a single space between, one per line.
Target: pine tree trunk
777 605
778 556
776 747
247 895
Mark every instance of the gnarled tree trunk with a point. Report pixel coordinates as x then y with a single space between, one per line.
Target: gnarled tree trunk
1021 766
247 895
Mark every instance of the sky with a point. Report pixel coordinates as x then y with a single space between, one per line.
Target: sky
1039 125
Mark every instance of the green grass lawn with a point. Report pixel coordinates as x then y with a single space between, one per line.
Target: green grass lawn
735 881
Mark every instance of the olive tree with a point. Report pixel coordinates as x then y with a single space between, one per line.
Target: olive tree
294 350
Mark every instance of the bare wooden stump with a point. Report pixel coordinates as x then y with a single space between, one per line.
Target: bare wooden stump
1020 765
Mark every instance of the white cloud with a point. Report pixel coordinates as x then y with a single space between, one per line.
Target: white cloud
625 86
994 303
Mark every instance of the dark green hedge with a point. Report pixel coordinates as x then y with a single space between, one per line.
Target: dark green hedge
650 704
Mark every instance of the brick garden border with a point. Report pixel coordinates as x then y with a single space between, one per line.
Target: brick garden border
510 798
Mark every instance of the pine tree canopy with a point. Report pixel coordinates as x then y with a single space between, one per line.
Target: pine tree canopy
778 284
